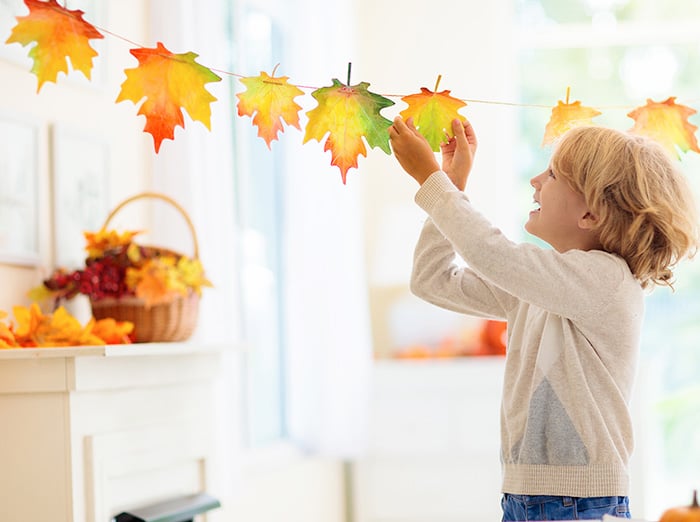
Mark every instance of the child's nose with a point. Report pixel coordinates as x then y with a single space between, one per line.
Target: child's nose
537 180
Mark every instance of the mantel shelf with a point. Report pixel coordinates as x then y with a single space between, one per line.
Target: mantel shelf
114 350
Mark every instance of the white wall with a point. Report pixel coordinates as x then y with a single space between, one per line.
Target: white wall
86 108
403 46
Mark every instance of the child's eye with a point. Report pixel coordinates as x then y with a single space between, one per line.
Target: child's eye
551 174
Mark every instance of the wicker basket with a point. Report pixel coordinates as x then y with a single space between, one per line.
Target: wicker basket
163 322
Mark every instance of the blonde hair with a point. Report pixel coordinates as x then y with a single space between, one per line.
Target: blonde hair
644 207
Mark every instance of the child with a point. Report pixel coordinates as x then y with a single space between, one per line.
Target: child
619 216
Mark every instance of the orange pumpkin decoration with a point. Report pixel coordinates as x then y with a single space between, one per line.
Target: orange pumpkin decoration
684 513
493 338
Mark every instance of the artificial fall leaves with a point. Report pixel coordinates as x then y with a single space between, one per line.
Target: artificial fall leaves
347 113
35 329
169 82
346 116
566 116
118 267
432 113
268 100
59 34
668 123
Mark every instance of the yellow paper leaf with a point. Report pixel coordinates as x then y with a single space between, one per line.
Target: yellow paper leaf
566 116
169 83
97 243
433 113
112 331
58 34
268 101
347 113
7 338
666 122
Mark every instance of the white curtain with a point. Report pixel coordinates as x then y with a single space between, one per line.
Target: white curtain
328 337
196 168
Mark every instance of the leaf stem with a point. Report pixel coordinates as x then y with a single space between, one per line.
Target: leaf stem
568 91
274 71
349 69
437 82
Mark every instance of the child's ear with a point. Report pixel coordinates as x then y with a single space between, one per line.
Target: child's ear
588 221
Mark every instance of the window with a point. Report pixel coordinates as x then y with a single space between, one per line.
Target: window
614 54
259 186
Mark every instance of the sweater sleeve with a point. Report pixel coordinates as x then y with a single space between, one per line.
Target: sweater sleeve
573 284
438 279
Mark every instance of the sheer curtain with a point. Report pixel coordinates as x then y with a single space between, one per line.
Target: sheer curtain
328 357
197 167
329 338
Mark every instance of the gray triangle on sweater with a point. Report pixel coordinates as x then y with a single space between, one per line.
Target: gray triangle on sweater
550 436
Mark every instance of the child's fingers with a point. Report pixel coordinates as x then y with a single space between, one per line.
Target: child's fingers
469 132
411 126
459 131
398 126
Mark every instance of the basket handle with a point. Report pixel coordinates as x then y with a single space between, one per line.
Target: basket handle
158 195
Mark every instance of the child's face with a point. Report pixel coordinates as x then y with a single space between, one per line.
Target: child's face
558 218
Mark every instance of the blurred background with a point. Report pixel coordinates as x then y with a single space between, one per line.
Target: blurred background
399 399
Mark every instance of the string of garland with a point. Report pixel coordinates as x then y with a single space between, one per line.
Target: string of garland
346 116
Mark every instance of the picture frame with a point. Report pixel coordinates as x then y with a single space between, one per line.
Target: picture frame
80 178
19 200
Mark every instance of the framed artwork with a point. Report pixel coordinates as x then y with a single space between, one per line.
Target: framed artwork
19 152
80 191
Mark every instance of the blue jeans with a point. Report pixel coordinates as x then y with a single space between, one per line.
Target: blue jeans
522 508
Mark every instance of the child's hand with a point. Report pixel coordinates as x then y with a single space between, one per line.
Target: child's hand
458 153
412 150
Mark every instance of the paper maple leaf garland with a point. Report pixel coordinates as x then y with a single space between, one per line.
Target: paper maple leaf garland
169 82
268 100
566 116
668 123
59 34
432 113
347 114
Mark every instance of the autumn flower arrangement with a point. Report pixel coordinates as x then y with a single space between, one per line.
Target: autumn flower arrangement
34 329
117 267
156 289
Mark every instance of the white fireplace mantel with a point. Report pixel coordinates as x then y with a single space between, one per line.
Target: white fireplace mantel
88 432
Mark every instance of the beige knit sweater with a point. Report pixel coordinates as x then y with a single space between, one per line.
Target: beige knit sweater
574 323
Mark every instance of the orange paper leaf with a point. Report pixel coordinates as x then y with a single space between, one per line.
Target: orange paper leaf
347 113
269 100
667 123
7 338
432 114
112 331
169 82
566 116
35 329
58 34
157 281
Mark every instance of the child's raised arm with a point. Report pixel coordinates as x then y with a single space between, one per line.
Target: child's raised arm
414 154
412 150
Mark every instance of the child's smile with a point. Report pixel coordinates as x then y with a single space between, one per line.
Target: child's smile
558 213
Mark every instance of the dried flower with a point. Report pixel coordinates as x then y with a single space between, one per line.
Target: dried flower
117 267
